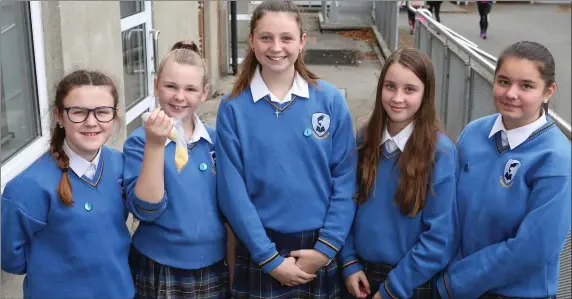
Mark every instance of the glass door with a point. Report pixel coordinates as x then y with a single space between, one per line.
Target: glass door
138 40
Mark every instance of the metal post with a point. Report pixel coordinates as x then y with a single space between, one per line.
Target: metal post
233 37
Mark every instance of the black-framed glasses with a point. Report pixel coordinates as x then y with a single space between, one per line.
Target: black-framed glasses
103 114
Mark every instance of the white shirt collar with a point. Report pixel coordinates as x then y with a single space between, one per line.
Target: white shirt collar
199 132
517 136
400 139
260 90
78 164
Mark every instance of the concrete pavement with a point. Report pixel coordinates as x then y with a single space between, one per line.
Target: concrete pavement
548 24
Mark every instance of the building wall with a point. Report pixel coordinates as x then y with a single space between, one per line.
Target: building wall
87 34
177 20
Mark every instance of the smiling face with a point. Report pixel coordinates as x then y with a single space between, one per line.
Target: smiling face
180 89
85 138
401 96
519 92
277 41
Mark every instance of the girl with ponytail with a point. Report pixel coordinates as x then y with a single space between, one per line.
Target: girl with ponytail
179 247
63 218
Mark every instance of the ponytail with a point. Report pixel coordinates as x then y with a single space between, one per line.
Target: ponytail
63 161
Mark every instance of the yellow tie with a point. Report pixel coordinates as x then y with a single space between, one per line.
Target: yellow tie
181 153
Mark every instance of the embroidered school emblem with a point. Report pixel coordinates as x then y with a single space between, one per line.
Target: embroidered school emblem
213 160
321 125
510 169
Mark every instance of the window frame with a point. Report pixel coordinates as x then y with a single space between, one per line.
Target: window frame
148 103
33 150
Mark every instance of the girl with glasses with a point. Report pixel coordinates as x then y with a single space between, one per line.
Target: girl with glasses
63 218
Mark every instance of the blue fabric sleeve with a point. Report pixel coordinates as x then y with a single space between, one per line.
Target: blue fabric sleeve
539 239
348 257
233 197
341 211
24 212
433 251
133 159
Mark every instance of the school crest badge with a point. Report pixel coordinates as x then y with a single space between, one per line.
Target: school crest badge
321 125
510 169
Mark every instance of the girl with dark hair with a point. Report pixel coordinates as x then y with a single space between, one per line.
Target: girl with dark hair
513 192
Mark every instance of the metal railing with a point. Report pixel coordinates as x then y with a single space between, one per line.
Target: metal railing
385 16
464 75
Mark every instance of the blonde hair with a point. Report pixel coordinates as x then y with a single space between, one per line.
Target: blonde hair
185 52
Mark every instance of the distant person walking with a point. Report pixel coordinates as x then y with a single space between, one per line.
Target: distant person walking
435 9
411 14
484 10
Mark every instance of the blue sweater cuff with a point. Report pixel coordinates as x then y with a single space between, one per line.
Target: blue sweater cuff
386 292
272 263
326 247
443 287
352 267
149 207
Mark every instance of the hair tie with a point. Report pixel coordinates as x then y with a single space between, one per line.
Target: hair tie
65 169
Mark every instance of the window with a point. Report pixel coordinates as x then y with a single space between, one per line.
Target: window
19 112
129 8
24 115
138 66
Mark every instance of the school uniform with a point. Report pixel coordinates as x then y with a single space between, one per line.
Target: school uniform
78 251
180 244
400 254
514 210
287 176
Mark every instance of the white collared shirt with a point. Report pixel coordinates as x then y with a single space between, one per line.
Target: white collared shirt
260 90
517 136
200 131
399 140
79 165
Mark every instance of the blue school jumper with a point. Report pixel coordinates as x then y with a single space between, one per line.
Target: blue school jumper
185 229
78 251
514 213
289 172
417 247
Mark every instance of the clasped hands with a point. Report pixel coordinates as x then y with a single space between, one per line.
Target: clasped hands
300 267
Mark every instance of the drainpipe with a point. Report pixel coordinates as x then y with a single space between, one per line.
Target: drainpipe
233 38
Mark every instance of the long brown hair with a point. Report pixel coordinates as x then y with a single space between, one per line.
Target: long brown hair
417 161
68 83
249 64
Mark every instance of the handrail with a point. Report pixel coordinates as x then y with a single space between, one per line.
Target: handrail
478 54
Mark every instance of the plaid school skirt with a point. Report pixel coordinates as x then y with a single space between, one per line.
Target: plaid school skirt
377 273
251 282
153 280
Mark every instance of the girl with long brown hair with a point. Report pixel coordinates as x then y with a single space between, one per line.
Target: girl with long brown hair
286 155
63 218
406 175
